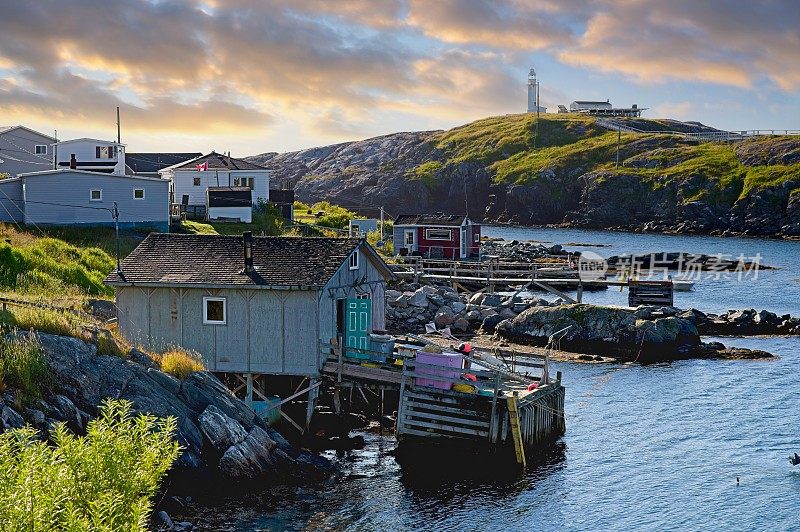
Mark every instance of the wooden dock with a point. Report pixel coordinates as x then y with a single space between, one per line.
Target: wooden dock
511 405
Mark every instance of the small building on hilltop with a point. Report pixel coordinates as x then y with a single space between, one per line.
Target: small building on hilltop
604 109
448 236
229 203
261 305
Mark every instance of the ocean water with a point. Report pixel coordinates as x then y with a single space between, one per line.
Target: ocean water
654 447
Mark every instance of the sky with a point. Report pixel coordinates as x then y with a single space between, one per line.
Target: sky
254 76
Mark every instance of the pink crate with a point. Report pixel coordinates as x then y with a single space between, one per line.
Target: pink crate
448 360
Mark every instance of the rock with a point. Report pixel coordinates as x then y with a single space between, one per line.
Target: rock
10 419
458 306
491 322
166 520
461 325
491 300
444 317
436 300
221 431
68 412
392 294
419 299
474 315
168 382
202 389
140 357
401 301
477 299
488 312
507 313
36 417
254 456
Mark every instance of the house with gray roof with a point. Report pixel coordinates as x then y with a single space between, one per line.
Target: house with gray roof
436 236
191 178
24 150
260 305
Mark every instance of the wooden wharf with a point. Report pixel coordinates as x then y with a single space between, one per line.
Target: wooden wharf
511 407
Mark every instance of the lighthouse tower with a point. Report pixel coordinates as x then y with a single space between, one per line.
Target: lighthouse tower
533 93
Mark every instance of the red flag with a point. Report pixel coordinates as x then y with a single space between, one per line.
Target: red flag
202 167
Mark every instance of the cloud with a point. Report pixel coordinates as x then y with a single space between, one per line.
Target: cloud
516 25
352 67
709 41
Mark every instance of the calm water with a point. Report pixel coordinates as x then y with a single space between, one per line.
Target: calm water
647 448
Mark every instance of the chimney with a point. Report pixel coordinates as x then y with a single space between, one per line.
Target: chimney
73 164
247 238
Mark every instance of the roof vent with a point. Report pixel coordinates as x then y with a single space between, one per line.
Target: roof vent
247 238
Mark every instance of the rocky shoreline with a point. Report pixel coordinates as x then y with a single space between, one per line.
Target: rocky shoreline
645 334
222 438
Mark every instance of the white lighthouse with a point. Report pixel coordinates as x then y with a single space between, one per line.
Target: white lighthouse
533 94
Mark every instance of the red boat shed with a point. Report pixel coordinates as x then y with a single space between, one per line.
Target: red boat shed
445 236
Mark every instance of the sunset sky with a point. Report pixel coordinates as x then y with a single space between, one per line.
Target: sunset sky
254 76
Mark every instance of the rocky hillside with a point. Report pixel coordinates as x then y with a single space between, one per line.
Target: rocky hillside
561 171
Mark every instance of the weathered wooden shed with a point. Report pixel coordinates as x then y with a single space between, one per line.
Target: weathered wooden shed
253 305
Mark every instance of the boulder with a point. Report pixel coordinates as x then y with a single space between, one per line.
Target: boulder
253 457
444 317
392 294
401 301
490 323
201 389
460 325
168 382
488 312
474 315
477 299
492 300
220 430
419 299
10 419
458 307
507 313
435 301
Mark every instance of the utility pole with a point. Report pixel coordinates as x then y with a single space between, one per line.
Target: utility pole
55 150
381 223
619 138
119 137
115 214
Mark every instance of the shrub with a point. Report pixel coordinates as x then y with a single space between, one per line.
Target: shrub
181 363
23 367
103 481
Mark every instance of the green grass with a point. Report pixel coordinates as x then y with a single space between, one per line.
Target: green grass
426 172
180 363
335 217
103 481
23 367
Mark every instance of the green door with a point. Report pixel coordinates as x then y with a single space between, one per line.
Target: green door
359 319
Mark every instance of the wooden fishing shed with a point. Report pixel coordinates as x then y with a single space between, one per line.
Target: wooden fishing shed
251 305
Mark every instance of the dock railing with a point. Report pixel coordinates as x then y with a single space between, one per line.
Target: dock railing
487 271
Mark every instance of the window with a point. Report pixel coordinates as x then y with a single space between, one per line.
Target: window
138 193
214 310
354 260
477 237
104 152
96 194
41 149
409 237
196 182
362 296
244 182
438 234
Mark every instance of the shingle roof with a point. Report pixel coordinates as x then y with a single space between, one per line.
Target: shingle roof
430 219
153 162
218 161
178 259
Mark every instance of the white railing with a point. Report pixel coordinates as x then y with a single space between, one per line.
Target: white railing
717 135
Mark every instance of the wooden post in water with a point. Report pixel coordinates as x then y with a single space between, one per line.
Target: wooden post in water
516 432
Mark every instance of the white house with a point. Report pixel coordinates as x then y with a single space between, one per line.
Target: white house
90 154
191 179
79 197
